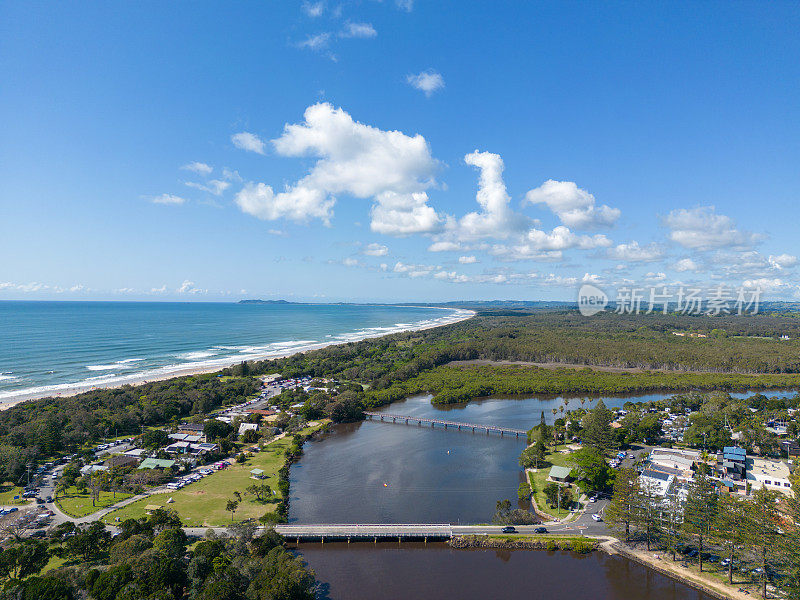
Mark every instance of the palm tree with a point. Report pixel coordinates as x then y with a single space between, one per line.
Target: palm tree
231 507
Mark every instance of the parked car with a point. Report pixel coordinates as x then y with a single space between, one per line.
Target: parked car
509 529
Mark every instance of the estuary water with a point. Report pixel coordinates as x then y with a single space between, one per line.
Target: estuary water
436 572
381 472
47 348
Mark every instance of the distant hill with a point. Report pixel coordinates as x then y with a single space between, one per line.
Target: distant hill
266 302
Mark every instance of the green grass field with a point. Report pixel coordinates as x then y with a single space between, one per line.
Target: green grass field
539 479
80 504
7 493
202 504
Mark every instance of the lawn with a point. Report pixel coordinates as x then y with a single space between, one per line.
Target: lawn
7 493
79 504
538 480
202 504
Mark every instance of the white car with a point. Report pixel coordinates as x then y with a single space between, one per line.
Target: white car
597 517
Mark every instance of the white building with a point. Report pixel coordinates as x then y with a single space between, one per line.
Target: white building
771 474
247 427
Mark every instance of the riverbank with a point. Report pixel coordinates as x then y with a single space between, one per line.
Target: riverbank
579 544
664 565
11 398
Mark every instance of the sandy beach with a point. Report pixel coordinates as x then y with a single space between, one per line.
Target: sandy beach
213 366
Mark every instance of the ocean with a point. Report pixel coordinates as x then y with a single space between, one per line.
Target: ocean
52 348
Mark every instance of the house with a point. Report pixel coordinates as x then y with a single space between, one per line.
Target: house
186 437
790 448
247 427
674 461
136 453
733 463
559 474
192 429
257 474
93 469
156 463
768 473
656 482
261 411
177 448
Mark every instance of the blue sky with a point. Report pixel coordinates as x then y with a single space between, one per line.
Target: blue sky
385 151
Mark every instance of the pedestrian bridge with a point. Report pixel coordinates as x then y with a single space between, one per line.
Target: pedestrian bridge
408 420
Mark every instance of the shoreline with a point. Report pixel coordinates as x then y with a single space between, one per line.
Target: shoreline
138 379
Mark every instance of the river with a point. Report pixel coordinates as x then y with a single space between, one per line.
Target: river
435 572
380 472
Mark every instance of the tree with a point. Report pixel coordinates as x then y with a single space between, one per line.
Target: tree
231 507
673 519
214 429
621 511
347 408
763 537
730 528
792 544
155 438
40 588
261 491
90 542
597 431
700 512
557 496
533 455
593 470
648 511
23 559
171 542
281 576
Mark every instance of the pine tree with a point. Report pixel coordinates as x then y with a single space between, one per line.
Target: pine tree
729 530
647 515
792 544
700 513
763 537
621 511
597 431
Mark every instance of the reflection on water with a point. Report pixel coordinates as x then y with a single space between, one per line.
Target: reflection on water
436 572
373 472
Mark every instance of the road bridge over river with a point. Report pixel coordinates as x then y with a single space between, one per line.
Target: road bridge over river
409 420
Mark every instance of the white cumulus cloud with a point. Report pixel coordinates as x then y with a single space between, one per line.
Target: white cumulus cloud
248 141
427 82
358 30
375 249
635 253
389 167
782 261
313 9
702 229
198 167
467 260
575 207
496 219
